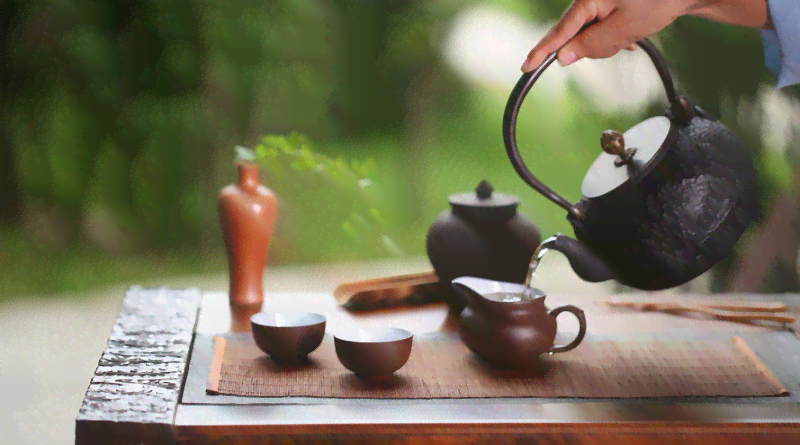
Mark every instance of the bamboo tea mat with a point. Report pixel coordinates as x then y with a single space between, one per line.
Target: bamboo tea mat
445 368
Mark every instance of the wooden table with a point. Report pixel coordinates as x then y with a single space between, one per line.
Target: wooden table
149 387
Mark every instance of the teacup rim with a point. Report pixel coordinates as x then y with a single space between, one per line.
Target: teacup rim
318 319
343 335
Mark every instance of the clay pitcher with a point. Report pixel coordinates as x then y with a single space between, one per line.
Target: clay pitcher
247 214
509 325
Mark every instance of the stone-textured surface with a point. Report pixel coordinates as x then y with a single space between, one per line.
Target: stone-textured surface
137 381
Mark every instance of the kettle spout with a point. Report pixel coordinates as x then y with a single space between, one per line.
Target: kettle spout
585 263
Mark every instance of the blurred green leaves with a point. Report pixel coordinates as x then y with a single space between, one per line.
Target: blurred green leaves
122 115
330 209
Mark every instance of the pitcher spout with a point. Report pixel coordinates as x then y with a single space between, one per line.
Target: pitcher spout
489 296
470 288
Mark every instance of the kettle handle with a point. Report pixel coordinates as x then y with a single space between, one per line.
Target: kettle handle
521 90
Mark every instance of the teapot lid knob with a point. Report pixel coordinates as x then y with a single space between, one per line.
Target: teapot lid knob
484 190
484 202
613 142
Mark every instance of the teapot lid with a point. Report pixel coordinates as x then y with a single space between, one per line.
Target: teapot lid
628 156
485 202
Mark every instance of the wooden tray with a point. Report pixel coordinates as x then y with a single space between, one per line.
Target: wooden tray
389 292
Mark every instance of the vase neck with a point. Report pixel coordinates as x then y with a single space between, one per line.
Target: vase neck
248 177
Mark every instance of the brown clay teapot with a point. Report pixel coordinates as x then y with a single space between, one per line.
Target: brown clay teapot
482 235
508 324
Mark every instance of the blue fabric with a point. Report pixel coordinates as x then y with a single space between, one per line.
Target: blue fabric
782 44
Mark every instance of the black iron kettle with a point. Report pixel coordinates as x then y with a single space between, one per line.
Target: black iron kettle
662 204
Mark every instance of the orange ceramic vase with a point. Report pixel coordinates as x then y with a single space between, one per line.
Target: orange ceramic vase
247 213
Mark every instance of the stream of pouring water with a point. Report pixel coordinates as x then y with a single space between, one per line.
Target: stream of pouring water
529 292
534 264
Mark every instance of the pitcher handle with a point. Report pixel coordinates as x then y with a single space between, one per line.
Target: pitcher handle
578 313
521 90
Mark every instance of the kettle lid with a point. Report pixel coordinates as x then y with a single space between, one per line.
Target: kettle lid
628 156
484 201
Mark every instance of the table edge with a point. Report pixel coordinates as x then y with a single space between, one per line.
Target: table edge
321 419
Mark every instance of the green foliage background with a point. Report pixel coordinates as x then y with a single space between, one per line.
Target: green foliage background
120 121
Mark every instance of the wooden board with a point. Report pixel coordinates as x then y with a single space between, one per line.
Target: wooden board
250 420
134 395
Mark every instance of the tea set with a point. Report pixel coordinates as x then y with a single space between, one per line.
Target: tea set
662 204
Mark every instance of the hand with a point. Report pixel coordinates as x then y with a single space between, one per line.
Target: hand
621 23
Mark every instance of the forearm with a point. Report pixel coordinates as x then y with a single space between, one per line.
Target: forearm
621 22
750 13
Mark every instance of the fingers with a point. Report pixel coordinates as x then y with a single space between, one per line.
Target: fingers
578 14
632 47
602 40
